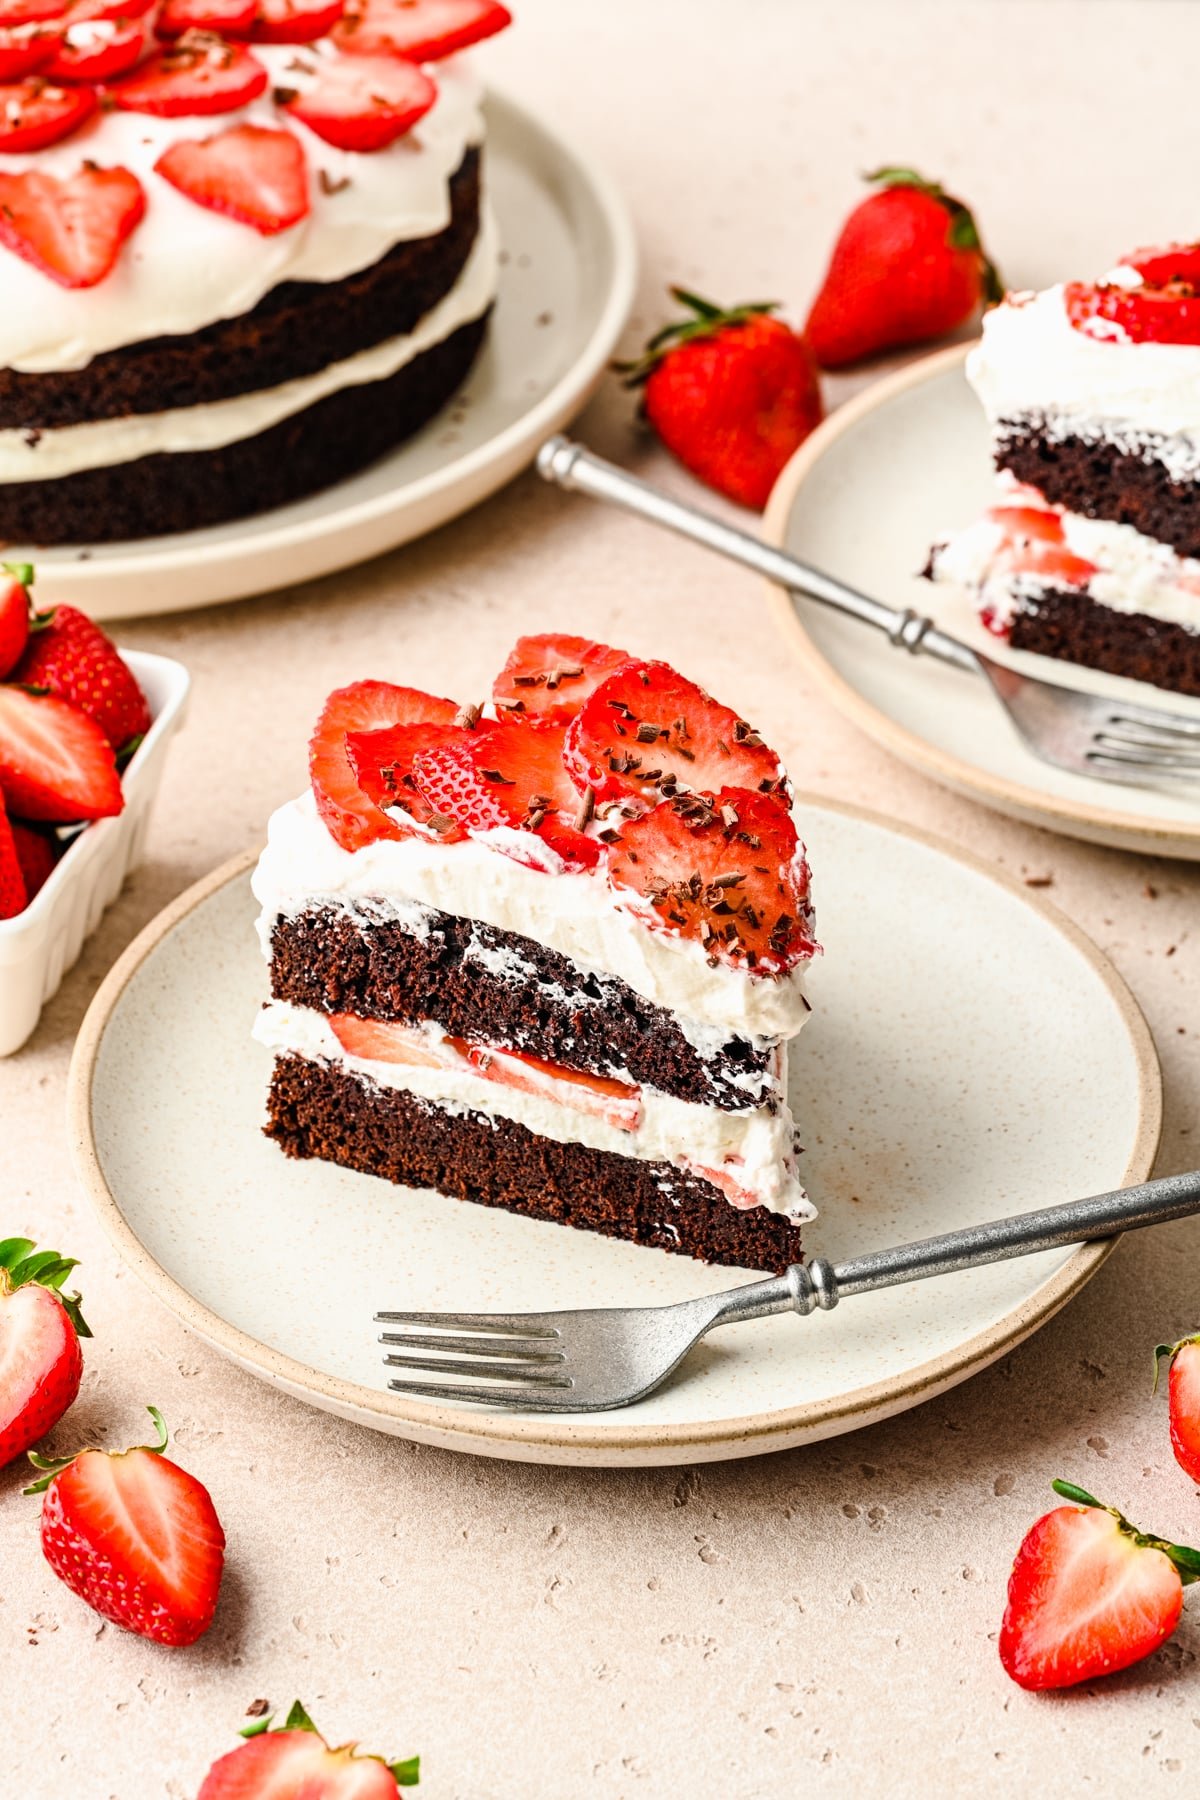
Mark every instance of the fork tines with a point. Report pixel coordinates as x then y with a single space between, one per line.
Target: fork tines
506 1347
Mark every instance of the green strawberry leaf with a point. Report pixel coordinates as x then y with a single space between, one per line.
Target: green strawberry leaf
1079 1495
22 572
14 1250
257 1726
298 1719
408 1772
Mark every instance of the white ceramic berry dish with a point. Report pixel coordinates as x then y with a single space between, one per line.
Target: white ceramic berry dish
970 1054
39 946
885 476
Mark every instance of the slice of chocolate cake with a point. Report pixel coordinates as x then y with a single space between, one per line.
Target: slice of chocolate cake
546 956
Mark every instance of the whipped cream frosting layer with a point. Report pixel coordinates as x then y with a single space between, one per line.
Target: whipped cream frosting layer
1032 364
45 455
185 267
754 1148
574 913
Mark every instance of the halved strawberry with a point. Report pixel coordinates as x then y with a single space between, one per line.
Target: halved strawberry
14 613
1183 1392
422 30
383 766
14 894
617 1103
37 854
362 103
1089 1594
647 732
248 172
726 870
1173 262
40 1360
27 12
351 816
510 776
72 229
295 21
98 49
24 48
227 18
34 113
291 1762
55 762
386 1041
553 674
198 75
68 655
135 1536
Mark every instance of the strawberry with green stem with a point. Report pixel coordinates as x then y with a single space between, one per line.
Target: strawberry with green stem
292 1761
1183 1399
41 1362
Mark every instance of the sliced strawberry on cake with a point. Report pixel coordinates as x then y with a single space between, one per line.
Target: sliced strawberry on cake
98 49
421 30
508 781
25 49
35 113
553 674
295 21
361 103
352 817
248 172
227 18
71 229
199 74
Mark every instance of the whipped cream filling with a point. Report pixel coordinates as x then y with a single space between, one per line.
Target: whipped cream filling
185 266
1032 365
41 455
575 913
755 1149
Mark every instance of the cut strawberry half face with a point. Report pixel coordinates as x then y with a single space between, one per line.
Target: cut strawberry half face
295 21
35 113
553 674
251 173
385 1041
98 49
723 870
422 30
615 1103
24 48
1167 314
383 765
362 103
647 732
1033 542
510 777
55 762
227 18
73 229
199 74
30 12
351 816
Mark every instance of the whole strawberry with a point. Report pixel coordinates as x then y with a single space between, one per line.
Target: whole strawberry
135 1536
732 392
908 266
14 614
293 1762
1183 1395
40 1359
69 656
14 888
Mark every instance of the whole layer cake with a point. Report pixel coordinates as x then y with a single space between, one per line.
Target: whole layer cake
243 251
1092 392
547 955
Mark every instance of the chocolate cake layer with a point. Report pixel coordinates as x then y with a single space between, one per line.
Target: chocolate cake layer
1075 629
295 330
181 492
1104 482
337 961
316 1110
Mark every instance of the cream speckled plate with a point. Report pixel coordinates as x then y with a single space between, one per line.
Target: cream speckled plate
903 464
971 1053
566 286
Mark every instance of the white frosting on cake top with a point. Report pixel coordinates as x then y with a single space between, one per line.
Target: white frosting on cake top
185 266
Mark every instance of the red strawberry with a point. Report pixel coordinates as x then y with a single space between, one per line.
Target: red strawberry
69 656
200 74
37 855
40 1360
73 229
362 102
383 1040
227 18
1183 1393
14 613
98 50
135 1536
295 21
617 1103
291 1762
14 893
383 766
908 266
1089 1594
1142 315
646 731
731 392
552 675
510 776
1158 268
33 114
422 30
351 817
24 48
26 12
55 762
117 10
723 869
248 172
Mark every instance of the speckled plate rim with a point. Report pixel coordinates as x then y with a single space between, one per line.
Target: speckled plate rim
579 1441
1076 818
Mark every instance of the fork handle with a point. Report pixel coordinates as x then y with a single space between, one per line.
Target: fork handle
569 465
805 1287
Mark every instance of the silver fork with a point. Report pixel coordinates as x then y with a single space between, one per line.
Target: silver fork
593 1360
1110 740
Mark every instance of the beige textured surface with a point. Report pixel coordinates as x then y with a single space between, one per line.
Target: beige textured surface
824 1618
